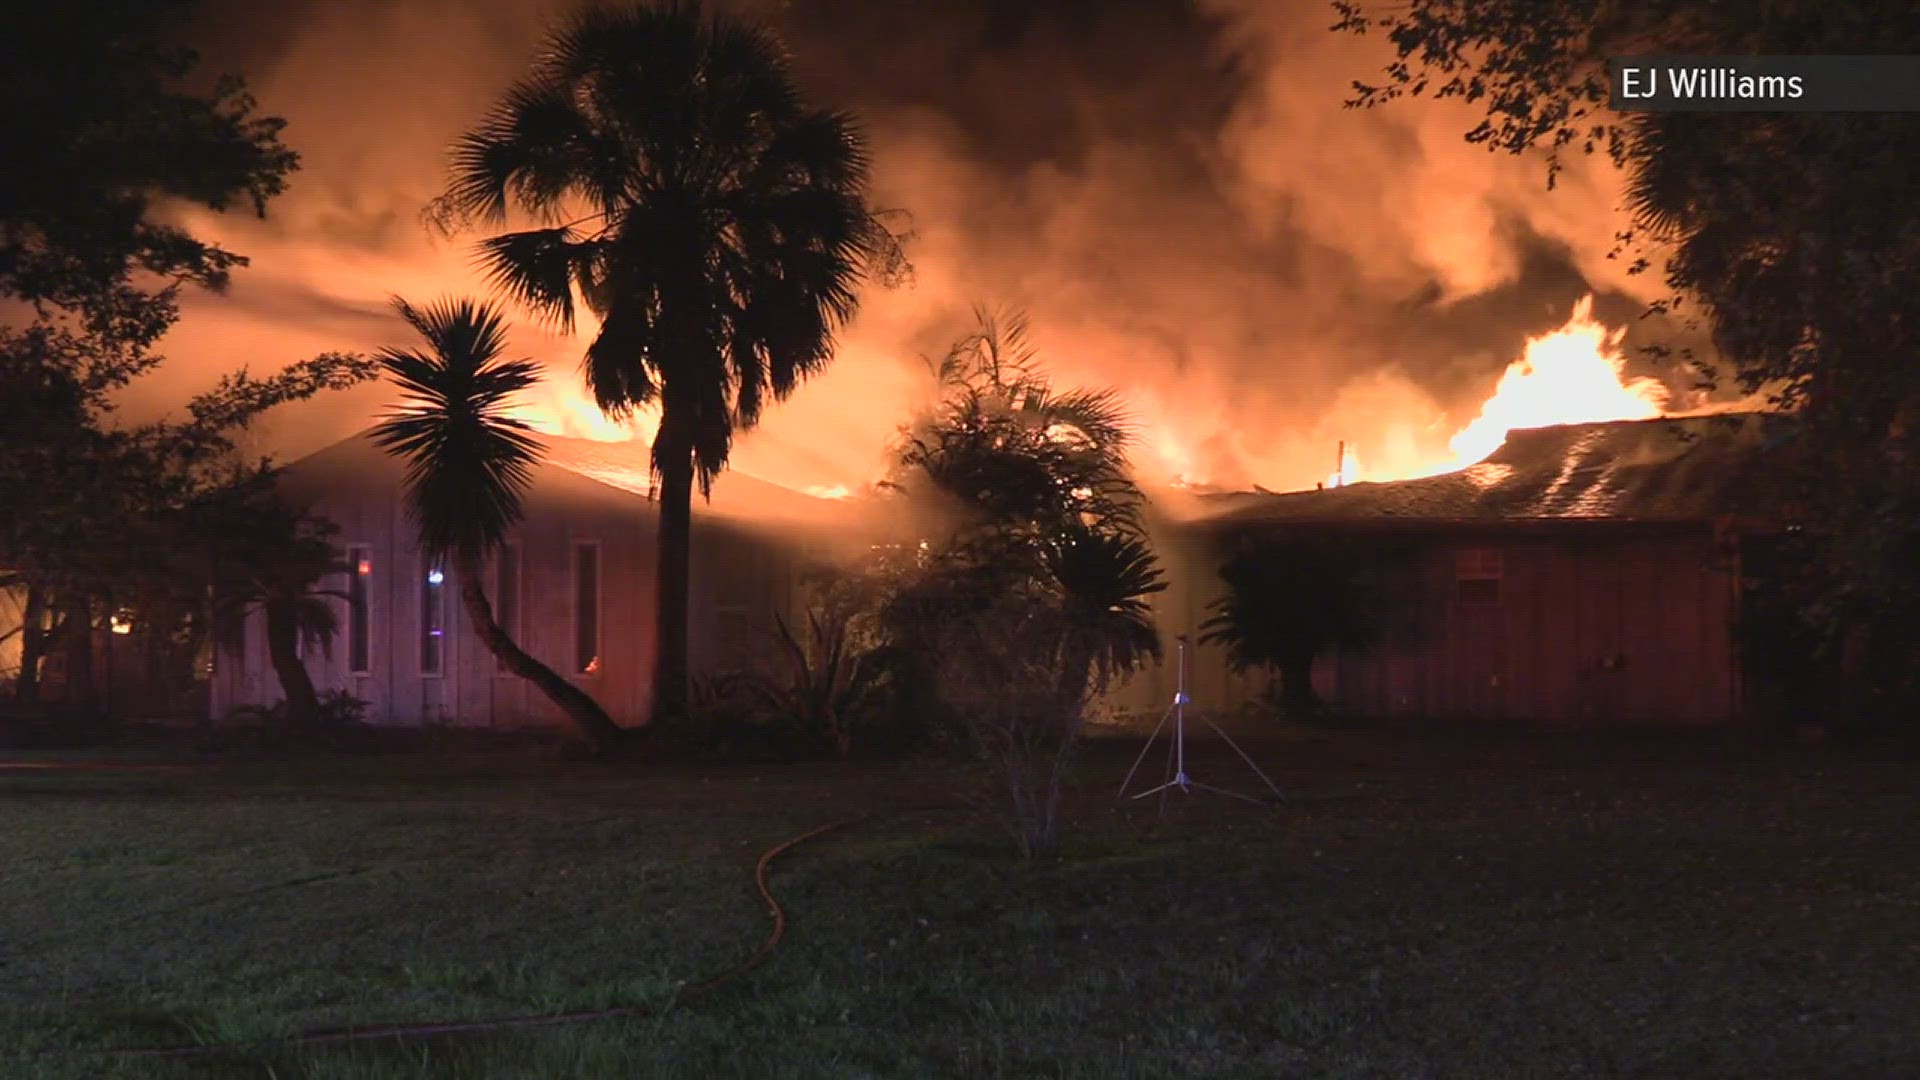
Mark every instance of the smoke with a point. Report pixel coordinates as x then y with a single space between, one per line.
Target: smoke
1173 193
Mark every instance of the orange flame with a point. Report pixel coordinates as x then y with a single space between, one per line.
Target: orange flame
1574 375
567 410
1349 470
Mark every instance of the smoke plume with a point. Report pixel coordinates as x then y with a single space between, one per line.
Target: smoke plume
1172 191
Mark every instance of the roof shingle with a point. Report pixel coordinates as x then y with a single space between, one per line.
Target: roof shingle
1691 469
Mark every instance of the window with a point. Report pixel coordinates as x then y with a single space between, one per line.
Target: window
586 608
506 594
359 594
736 595
433 621
1476 575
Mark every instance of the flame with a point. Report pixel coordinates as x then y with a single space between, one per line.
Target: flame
569 412
1349 470
823 491
1574 375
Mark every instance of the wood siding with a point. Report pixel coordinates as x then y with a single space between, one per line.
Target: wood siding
1584 631
736 573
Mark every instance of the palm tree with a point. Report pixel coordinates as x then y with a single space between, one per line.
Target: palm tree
468 467
714 223
1036 593
253 550
299 617
1019 462
1285 604
1106 625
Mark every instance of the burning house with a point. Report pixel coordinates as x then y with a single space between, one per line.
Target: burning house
1581 574
574 586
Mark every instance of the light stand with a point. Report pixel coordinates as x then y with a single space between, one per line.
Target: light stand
1177 778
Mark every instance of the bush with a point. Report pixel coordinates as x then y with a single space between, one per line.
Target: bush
338 708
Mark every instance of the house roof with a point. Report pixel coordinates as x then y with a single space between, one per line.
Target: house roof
738 495
1667 471
621 467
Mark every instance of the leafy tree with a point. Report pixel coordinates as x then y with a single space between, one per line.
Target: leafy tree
1028 589
1792 233
264 554
91 509
116 123
100 514
713 222
1285 605
468 467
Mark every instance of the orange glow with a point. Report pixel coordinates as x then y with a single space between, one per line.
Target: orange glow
1574 375
1349 469
566 409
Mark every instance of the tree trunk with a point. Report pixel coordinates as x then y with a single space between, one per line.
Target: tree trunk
1296 687
76 624
1076 678
33 646
670 616
589 720
283 650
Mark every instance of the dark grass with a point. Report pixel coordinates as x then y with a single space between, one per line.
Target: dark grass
1415 909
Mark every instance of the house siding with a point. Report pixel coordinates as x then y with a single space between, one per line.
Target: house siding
1587 630
361 493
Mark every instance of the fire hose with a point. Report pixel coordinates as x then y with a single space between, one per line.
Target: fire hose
426 1029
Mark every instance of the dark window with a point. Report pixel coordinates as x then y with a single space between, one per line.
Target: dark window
433 620
359 590
586 608
738 594
1477 573
506 593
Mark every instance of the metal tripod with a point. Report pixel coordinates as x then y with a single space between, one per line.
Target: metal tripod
1177 778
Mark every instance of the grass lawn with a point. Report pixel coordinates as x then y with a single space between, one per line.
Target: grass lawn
1416 909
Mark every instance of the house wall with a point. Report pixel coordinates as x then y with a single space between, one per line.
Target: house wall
740 580
1577 631
1189 568
1584 632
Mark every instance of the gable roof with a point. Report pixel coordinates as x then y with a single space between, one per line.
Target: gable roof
622 469
1673 470
627 466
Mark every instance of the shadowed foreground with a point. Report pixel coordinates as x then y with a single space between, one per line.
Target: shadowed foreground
1414 910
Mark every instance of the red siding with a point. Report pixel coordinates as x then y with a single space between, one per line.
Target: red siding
1627 631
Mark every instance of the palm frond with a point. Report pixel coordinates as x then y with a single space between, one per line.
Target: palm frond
1099 416
532 151
468 463
537 268
618 365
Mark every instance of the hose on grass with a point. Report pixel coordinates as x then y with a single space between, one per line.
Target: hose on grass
761 873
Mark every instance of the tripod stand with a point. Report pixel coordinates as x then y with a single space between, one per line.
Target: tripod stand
1177 778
